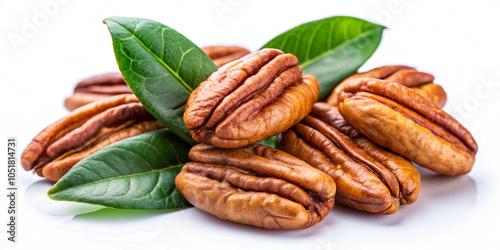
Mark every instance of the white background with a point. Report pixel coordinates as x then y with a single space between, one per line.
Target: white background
457 41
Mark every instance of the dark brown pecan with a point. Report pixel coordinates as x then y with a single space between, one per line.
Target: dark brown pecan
250 99
396 117
256 185
222 55
84 131
421 82
368 177
97 88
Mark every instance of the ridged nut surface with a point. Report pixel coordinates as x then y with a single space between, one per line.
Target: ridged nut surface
368 177
256 185
408 76
398 118
84 131
250 99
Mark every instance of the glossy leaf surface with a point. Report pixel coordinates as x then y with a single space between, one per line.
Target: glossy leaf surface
330 49
161 66
135 173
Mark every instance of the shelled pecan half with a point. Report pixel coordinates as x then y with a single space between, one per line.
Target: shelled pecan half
421 82
256 185
84 131
368 177
221 54
398 118
97 88
250 99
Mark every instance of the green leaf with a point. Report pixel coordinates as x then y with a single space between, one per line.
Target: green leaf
161 66
330 49
135 173
268 141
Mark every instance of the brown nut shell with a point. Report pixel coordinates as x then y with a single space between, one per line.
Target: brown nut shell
57 168
406 174
97 88
408 76
84 131
432 92
256 185
80 99
106 79
250 99
368 177
222 55
398 118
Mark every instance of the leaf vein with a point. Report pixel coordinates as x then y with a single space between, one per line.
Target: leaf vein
159 60
337 48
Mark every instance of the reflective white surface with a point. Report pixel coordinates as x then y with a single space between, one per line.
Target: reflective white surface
444 204
457 42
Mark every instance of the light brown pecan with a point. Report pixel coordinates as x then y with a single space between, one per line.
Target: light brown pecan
368 177
84 131
221 54
97 88
256 185
250 99
396 117
421 82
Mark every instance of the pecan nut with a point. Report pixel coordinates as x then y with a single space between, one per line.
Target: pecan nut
256 185
222 55
84 131
368 177
396 117
250 99
97 88
421 82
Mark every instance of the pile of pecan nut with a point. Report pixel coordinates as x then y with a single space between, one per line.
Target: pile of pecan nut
357 148
103 111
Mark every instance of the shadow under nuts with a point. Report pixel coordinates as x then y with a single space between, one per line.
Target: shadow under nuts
83 131
419 81
368 177
251 99
256 185
396 117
